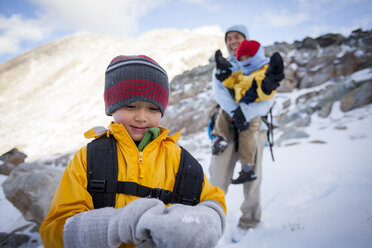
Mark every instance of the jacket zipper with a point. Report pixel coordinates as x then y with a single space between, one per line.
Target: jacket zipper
140 162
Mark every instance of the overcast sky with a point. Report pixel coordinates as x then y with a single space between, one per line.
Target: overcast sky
25 24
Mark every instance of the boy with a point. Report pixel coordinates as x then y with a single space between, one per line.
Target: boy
254 82
136 96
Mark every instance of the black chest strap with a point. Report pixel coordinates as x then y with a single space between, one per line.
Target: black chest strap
102 170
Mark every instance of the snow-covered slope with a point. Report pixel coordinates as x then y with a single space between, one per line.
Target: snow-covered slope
317 193
55 92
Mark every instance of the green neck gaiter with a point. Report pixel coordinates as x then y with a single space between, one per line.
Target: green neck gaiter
150 135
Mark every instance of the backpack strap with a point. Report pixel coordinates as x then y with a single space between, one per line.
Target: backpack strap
102 166
189 180
270 132
102 173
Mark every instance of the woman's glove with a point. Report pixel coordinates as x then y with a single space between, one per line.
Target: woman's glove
222 66
274 74
240 122
108 227
184 226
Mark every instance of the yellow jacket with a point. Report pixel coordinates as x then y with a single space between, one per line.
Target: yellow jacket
155 167
240 83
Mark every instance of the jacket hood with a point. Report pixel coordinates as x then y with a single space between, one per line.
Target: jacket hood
255 63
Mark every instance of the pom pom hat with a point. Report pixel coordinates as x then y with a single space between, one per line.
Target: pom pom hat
135 78
247 47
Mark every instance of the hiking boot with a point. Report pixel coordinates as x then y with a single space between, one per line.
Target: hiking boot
244 176
219 145
238 234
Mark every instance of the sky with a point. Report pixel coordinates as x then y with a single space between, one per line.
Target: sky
26 24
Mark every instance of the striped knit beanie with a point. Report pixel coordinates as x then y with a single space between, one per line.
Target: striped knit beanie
135 78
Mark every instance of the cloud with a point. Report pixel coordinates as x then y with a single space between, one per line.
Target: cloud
284 18
110 17
209 5
113 17
16 29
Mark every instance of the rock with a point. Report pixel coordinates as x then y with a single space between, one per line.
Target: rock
291 133
303 121
308 43
13 240
282 47
190 83
357 98
317 142
30 188
334 93
325 111
330 39
13 156
6 168
10 159
359 38
286 104
57 160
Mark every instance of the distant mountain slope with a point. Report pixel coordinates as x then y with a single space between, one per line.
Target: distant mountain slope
55 91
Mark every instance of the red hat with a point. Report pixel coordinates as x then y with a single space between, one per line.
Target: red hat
247 47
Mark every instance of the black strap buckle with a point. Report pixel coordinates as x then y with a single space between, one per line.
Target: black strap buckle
97 185
161 194
156 193
190 202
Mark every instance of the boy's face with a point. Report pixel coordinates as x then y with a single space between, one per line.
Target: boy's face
233 40
244 58
137 117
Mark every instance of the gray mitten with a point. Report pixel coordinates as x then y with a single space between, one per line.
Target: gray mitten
126 228
184 226
107 227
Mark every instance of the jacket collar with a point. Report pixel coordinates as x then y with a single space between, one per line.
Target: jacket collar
121 135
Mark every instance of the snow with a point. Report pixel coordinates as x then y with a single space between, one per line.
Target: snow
362 75
60 84
315 194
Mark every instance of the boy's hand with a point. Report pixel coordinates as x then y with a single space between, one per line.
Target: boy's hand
184 226
109 227
239 120
222 66
274 74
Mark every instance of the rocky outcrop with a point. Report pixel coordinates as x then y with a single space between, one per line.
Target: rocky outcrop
30 188
325 64
331 67
339 91
13 240
188 109
358 97
10 159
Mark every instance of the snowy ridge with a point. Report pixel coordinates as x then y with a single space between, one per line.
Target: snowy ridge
60 84
317 193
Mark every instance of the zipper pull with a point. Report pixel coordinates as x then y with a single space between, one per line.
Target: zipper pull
140 157
140 161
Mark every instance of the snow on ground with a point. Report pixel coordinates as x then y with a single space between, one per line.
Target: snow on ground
317 193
